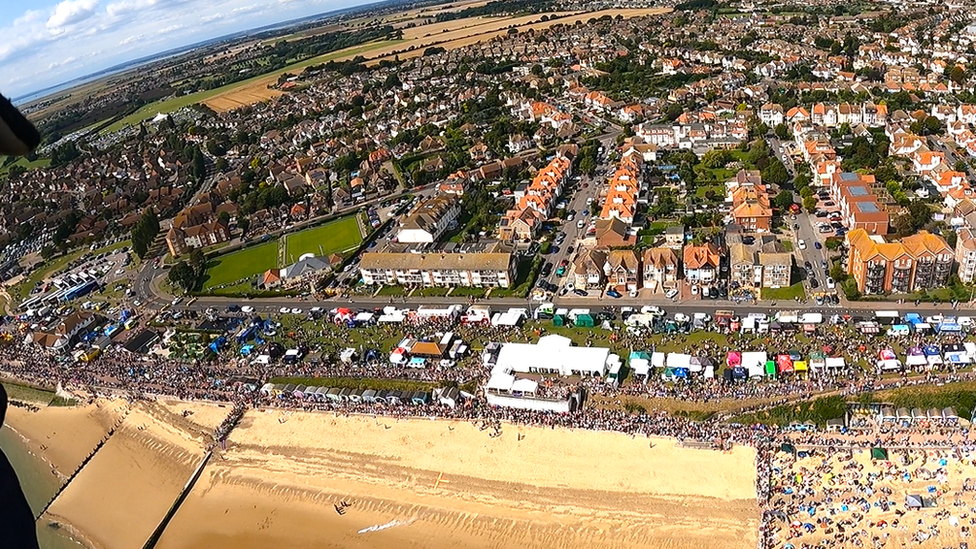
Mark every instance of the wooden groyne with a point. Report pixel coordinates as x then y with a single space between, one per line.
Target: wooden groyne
161 527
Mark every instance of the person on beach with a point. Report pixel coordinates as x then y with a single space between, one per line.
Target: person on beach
17 530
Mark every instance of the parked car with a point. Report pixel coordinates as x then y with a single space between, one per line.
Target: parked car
614 294
581 293
670 294
801 244
818 245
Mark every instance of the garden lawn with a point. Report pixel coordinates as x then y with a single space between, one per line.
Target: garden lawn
783 294
336 236
245 263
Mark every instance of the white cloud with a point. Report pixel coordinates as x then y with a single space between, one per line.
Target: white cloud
72 38
71 12
61 63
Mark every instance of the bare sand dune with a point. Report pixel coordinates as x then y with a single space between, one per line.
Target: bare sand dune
282 473
64 436
121 495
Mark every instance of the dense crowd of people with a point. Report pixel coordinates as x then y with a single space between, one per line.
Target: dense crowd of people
237 379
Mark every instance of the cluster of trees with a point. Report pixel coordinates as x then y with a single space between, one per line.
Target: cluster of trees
65 229
145 232
586 160
187 274
865 153
482 210
62 154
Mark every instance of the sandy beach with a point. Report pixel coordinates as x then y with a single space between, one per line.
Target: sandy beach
64 436
847 498
123 492
283 472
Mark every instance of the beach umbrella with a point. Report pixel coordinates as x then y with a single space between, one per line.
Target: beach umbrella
809 527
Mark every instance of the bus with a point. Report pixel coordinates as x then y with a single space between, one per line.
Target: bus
886 317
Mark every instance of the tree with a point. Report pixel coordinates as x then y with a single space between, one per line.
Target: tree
775 173
183 276
243 224
782 131
957 74
810 203
716 158
144 232
224 218
960 165
199 165
783 200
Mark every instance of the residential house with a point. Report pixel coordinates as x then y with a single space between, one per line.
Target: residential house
588 269
622 270
661 269
776 269
701 262
674 237
430 220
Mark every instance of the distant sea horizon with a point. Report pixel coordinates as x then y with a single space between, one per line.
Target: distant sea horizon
121 67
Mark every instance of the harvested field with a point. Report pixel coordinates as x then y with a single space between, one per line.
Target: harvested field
245 96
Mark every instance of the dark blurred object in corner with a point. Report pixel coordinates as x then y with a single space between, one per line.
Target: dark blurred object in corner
17 135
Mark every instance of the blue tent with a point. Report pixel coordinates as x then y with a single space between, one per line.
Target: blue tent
739 372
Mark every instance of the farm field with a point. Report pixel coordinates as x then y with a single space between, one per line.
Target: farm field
333 237
245 263
232 96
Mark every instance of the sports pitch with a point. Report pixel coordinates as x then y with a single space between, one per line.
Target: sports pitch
336 236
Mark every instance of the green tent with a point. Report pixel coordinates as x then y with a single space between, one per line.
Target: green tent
770 368
787 448
584 320
559 320
879 453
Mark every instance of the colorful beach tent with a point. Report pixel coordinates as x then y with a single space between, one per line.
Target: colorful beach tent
770 368
787 448
879 453
916 357
784 363
800 366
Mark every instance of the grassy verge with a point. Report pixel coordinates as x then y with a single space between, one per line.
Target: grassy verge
23 393
818 410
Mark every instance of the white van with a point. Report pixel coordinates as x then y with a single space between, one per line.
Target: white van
581 223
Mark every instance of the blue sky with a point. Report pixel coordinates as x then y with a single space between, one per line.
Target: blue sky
47 42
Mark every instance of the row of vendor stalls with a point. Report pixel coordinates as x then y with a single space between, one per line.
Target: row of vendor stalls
741 365
928 356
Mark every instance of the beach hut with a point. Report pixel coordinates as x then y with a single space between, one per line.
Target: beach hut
333 394
310 392
420 398
266 389
344 394
356 396
369 396
448 396
298 391
904 415
394 397
320 394
888 415
879 453
380 397
934 414
950 414
918 414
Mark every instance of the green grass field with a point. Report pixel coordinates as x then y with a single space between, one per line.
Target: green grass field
176 103
39 163
245 263
795 291
334 237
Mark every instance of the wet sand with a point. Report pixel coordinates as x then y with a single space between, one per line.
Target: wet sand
283 472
